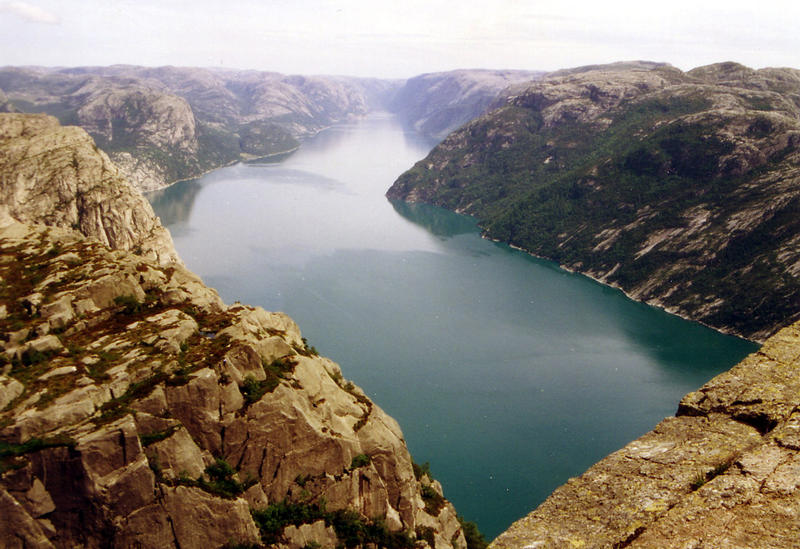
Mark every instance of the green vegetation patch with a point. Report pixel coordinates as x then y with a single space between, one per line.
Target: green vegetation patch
10 453
352 529
434 503
252 389
158 436
361 460
475 539
702 478
306 349
118 407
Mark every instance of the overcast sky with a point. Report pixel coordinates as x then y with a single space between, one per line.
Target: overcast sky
400 38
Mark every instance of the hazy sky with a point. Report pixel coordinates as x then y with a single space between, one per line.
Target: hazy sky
400 38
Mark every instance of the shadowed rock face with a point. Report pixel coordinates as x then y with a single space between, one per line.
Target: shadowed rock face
680 188
138 410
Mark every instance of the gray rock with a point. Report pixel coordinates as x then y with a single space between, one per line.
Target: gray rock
45 344
10 389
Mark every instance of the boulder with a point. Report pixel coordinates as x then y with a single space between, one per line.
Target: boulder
306 535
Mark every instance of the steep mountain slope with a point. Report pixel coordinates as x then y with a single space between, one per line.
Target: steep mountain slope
437 103
138 410
164 124
680 188
55 175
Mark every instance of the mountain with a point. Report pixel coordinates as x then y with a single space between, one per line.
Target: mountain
138 410
680 188
164 124
435 104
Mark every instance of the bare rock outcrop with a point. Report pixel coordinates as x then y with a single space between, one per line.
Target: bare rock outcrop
57 176
150 414
146 132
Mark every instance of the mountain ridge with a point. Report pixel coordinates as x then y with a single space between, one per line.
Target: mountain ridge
651 180
165 124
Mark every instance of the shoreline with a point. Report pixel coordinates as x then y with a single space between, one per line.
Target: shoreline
650 303
245 158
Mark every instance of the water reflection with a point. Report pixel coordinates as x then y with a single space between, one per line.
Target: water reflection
174 204
436 220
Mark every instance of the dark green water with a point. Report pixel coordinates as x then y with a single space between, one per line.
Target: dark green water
506 373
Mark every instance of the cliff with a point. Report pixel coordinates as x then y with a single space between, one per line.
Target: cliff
680 188
161 125
138 410
723 473
56 175
435 104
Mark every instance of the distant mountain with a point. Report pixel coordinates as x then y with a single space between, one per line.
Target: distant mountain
165 124
683 189
437 103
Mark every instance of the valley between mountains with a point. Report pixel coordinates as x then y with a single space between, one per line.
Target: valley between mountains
139 410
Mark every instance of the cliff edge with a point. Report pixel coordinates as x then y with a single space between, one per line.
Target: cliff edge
723 473
138 410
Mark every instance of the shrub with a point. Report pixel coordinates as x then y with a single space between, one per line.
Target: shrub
421 470
351 528
361 460
475 539
130 305
433 501
252 389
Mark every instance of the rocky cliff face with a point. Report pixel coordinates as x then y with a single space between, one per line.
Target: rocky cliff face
723 473
436 104
56 176
165 124
680 188
138 410
150 135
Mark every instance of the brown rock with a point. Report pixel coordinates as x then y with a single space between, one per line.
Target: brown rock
307 534
18 530
195 517
10 389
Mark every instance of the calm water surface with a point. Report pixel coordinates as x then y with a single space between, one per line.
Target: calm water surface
506 373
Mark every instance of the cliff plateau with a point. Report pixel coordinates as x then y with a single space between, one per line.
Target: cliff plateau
680 188
138 410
